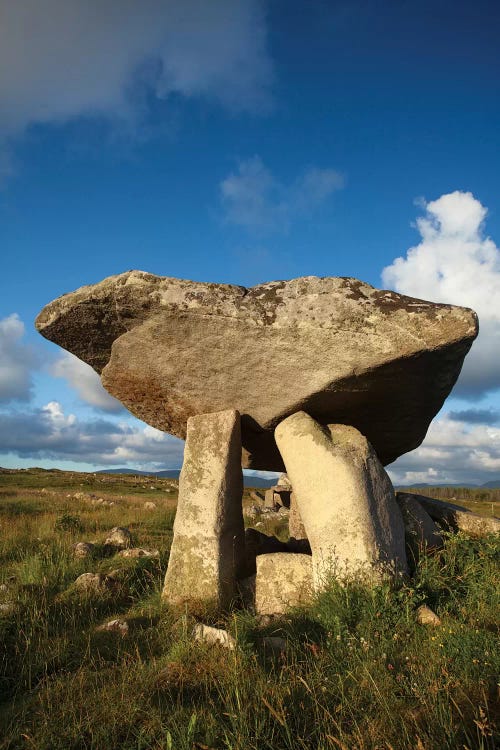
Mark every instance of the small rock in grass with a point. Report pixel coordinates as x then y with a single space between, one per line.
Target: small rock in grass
119 536
3 587
83 549
425 616
114 626
95 583
7 608
138 552
213 636
149 505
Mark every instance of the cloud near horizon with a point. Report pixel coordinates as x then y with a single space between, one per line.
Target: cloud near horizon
253 198
48 433
455 262
64 59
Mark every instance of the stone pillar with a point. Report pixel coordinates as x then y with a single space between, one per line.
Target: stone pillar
295 526
208 547
345 498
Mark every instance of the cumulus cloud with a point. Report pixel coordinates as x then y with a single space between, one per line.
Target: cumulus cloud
86 382
17 360
62 59
252 197
454 451
455 262
49 433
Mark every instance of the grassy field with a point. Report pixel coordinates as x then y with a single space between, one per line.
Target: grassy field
358 672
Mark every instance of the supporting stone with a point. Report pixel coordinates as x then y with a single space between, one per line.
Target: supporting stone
283 580
208 546
296 527
420 530
345 497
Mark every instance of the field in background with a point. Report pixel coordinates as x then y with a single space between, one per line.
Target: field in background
357 673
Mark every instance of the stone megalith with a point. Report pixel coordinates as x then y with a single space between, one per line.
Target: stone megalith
340 349
420 529
345 498
455 516
208 547
283 580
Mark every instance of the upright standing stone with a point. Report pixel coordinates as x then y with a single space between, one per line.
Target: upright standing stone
208 546
296 527
345 497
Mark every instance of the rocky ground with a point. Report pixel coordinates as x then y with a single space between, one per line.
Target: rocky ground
90 658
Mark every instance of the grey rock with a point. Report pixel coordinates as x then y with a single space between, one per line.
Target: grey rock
138 552
420 530
425 616
169 349
283 580
84 549
346 500
456 516
114 626
207 553
213 636
119 536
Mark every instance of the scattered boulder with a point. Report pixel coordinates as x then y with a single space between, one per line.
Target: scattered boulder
345 498
7 609
138 552
120 537
213 636
150 505
257 497
207 552
95 583
283 580
114 626
169 349
456 516
425 616
84 549
420 530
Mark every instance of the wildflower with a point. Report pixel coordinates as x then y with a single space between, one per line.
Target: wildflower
390 667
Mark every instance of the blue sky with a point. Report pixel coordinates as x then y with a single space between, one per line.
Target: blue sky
242 141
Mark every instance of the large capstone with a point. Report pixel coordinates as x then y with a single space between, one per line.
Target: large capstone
345 498
207 553
337 348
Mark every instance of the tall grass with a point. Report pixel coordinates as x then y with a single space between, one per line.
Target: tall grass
358 671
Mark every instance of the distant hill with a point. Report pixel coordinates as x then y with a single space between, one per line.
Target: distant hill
249 480
493 485
424 485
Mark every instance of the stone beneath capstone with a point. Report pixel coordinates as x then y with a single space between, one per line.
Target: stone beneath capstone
283 580
345 498
341 350
420 530
207 552
295 526
457 517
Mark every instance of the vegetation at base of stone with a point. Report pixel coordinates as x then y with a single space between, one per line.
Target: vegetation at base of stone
358 672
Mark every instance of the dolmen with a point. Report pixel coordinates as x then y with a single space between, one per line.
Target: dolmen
357 375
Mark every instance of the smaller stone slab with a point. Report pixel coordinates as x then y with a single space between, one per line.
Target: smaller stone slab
207 551
420 530
456 516
283 580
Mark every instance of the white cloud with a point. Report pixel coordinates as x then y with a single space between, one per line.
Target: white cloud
454 451
48 433
16 361
457 263
254 198
62 59
86 382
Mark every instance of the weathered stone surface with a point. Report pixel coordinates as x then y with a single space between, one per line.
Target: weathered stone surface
420 529
95 583
284 482
213 636
345 497
119 536
207 551
295 526
425 616
138 552
169 349
456 516
83 549
114 626
283 580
